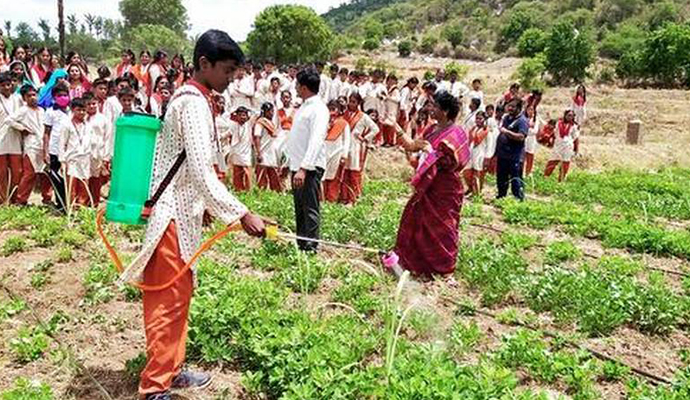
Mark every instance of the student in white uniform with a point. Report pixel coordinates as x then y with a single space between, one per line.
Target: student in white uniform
391 111
489 157
477 136
477 93
266 149
56 119
469 120
566 145
241 150
337 149
531 145
10 142
98 129
75 154
408 99
28 121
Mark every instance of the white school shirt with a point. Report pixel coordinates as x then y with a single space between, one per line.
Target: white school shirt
407 101
75 150
335 151
223 128
241 144
476 94
564 147
531 144
443 85
458 89
268 145
469 120
363 133
478 152
345 89
491 138
305 143
196 187
31 120
372 93
334 89
391 107
244 92
112 109
325 87
10 139
56 119
99 130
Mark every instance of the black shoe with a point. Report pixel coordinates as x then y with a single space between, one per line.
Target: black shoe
159 396
191 380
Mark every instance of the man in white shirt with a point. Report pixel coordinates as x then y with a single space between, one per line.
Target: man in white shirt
56 119
336 83
441 82
325 85
477 93
307 155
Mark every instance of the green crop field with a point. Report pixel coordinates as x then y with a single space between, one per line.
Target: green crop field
575 293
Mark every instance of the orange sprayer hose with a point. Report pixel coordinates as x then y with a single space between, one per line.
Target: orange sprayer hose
147 288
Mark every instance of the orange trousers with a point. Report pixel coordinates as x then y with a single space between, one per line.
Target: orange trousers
389 136
165 315
332 187
351 187
269 178
10 175
562 173
241 180
79 192
28 181
529 164
96 184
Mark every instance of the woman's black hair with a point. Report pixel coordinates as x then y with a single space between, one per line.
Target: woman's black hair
266 107
337 105
358 98
131 55
77 103
160 54
148 53
179 57
412 80
310 78
41 50
172 74
215 45
448 104
13 56
103 72
158 80
5 77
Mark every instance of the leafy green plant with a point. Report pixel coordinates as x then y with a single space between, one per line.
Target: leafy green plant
10 308
464 337
561 251
613 372
98 282
135 365
25 389
29 344
13 245
531 42
357 290
39 279
405 48
64 254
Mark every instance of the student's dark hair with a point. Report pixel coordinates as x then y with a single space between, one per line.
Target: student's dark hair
448 104
515 86
310 78
26 89
215 45
537 92
172 74
482 113
120 79
475 101
489 107
500 109
133 81
60 88
87 97
286 91
148 53
344 71
41 50
357 97
178 57
274 79
103 71
430 86
158 80
13 56
126 92
266 107
337 105
160 54
5 77
392 76
476 80
77 103
99 82
412 80
372 111
334 68
518 103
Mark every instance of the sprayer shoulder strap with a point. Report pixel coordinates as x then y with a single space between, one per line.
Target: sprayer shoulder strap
150 203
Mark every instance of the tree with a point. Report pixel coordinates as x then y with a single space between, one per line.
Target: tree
569 53
90 20
453 33
290 34
44 26
157 37
169 13
25 34
519 21
530 72
667 55
663 13
72 22
8 29
532 42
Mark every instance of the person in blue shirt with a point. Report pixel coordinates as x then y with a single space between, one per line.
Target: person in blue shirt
510 150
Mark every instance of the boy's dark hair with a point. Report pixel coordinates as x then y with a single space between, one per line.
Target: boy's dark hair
99 82
489 107
77 103
5 77
125 92
477 80
61 88
476 102
310 78
87 97
103 71
216 46
344 71
275 79
26 89
334 68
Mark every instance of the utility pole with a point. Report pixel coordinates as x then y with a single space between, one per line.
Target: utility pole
61 27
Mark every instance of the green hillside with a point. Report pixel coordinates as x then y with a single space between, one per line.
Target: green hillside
494 26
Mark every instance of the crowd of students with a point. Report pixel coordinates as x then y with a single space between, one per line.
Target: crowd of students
57 125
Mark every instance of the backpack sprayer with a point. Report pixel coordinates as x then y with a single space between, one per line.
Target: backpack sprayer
129 202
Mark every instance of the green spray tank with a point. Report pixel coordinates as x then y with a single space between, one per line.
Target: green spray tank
132 165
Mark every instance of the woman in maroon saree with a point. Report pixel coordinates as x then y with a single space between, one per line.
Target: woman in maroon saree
428 236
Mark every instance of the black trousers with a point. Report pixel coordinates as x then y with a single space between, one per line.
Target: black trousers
509 173
58 182
308 209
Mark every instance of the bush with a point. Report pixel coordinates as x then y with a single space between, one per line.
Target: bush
460 69
453 33
14 244
532 42
443 50
625 38
405 48
660 14
429 41
519 21
569 53
464 53
630 66
531 71
371 44
25 389
667 55
607 75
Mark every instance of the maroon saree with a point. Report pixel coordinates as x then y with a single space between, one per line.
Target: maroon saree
428 235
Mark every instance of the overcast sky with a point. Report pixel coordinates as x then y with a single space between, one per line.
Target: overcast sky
234 16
